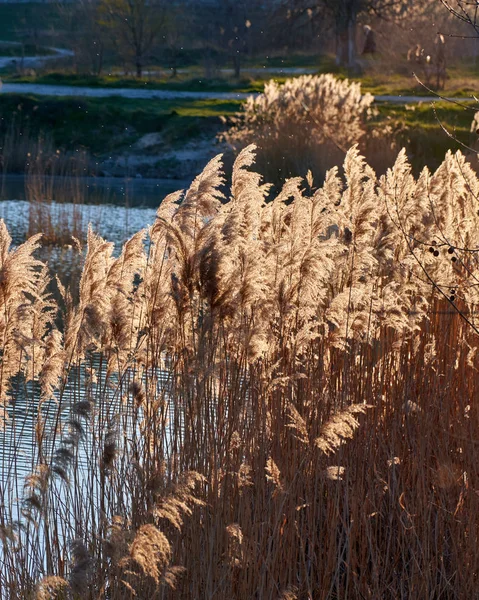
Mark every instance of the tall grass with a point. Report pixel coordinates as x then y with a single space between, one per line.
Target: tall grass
254 400
22 146
48 178
46 167
19 147
309 123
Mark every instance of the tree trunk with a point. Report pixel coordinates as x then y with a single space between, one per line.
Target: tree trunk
99 64
237 65
139 68
346 50
352 45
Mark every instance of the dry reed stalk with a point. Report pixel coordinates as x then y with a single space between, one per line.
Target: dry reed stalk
279 398
307 123
55 191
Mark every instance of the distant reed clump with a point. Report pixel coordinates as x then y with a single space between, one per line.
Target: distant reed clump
307 123
254 399
49 177
21 146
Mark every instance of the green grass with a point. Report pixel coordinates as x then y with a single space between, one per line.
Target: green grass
191 80
103 126
461 82
324 63
181 83
422 128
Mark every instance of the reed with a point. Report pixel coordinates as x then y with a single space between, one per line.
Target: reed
50 174
309 123
254 399
21 146
56 192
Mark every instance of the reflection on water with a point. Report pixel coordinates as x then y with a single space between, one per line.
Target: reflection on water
136 192
19 438
66 431
114 223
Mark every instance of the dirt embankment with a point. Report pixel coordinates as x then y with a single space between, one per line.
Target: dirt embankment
151 157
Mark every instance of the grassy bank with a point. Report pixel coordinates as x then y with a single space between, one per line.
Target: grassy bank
378 79
106 127
421 128
99 125
462 80
190 81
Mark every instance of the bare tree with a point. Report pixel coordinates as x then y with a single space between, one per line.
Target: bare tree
234 31
83 34
345 15
134 26
91 46
226 30
294 23
177 24
466 11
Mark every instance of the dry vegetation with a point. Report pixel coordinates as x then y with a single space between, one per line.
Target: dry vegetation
309 123
50 176
253 400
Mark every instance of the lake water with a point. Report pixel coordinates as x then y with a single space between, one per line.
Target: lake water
116 209
114 223
133 192
19 455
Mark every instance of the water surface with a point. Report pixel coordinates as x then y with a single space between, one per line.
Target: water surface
120 191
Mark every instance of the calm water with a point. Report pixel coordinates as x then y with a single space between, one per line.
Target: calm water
133 192
114 223
116 209
19 451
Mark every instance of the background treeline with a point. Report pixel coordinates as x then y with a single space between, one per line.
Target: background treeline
136 34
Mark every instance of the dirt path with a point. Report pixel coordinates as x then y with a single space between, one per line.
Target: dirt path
32 61
134 93
144 94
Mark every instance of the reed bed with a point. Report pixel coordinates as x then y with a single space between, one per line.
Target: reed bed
21 146
49 177
46 167
271 400
309 123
